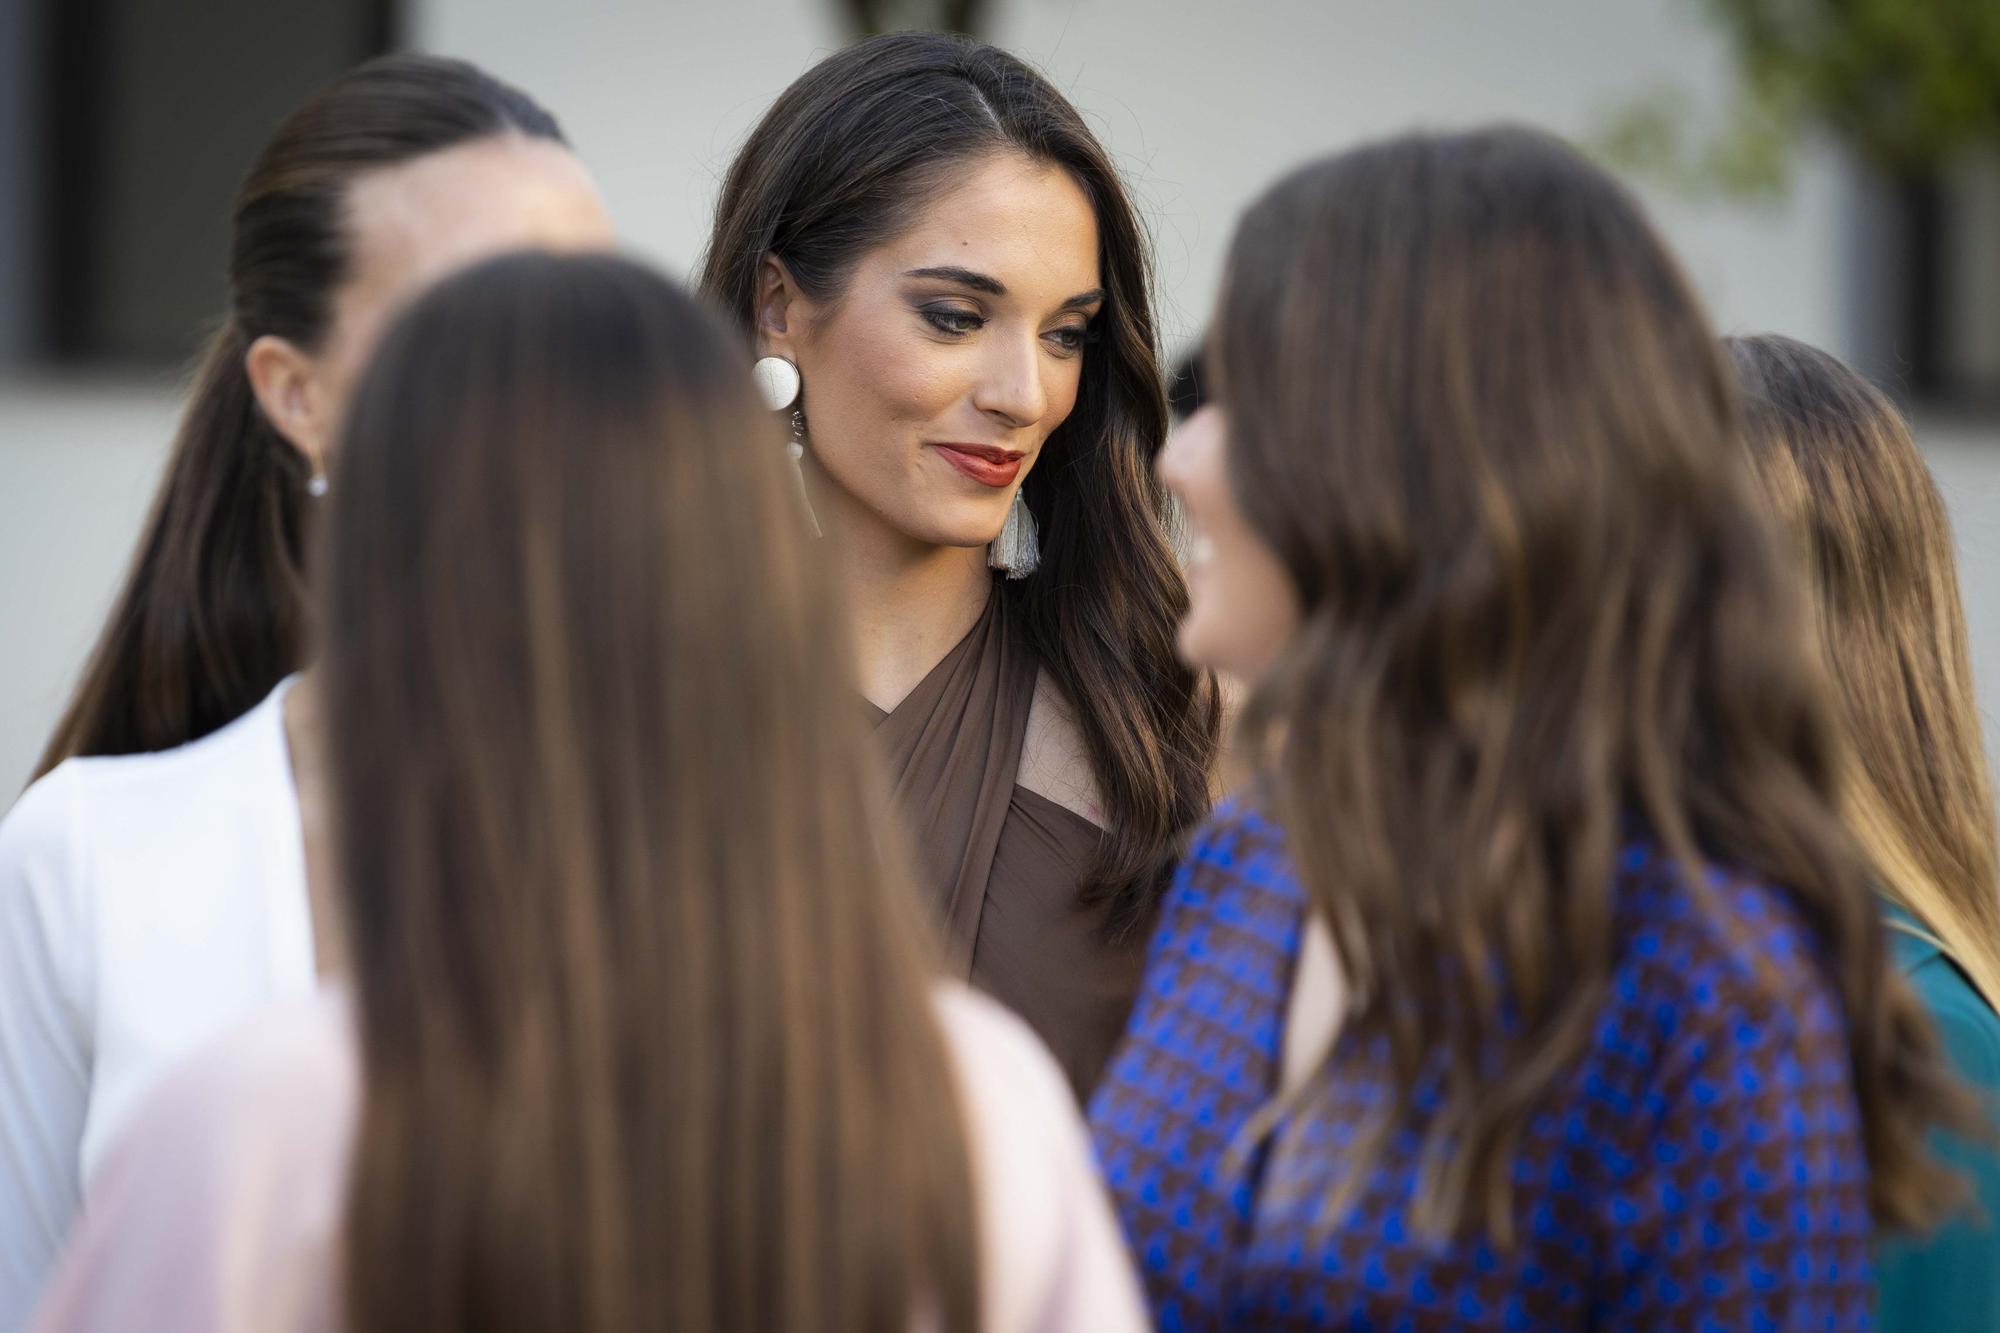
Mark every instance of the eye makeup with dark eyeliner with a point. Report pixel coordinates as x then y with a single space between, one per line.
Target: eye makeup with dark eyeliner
956 321
952 319
953 322
1074 337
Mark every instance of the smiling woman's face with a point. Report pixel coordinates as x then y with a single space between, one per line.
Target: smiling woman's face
955 349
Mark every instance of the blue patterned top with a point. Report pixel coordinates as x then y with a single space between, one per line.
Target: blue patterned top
1700 1168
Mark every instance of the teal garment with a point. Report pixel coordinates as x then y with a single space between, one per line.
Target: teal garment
1949 1279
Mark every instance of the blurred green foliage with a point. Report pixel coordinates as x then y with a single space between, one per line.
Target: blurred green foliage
1907 84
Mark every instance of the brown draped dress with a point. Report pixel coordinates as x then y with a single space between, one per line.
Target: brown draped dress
1005 864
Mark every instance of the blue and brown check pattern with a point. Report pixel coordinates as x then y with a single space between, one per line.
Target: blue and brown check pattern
1700 1168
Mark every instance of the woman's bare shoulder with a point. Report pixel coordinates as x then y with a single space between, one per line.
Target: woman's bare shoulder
1055 763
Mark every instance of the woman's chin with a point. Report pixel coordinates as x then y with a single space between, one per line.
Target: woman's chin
1192 642
977 531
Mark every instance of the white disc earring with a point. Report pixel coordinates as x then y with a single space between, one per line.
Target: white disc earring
778 380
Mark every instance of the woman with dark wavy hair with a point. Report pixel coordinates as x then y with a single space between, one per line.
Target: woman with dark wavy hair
1601 1031
938 265
1874 544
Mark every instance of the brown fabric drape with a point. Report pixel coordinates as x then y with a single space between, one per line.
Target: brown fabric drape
1004 864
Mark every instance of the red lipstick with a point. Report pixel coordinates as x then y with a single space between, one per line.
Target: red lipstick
986 465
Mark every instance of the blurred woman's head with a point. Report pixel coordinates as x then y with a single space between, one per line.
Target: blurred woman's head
395 173
1475 518
1863 515
646 1033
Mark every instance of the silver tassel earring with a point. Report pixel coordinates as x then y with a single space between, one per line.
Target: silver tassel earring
778 380
1018 549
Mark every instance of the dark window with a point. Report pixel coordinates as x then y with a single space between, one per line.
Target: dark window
152 111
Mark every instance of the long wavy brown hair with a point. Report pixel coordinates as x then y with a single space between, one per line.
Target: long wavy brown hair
214 610
646 1023
1478 413
1863 513
844 159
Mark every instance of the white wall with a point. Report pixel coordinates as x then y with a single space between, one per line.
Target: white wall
1965 459
78 461
1208 103
1204 103
654 94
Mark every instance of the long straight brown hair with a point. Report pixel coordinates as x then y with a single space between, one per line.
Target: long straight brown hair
647 1030
1476 410
213 610
846 158
1863 513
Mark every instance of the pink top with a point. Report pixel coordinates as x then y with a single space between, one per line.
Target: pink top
219 1207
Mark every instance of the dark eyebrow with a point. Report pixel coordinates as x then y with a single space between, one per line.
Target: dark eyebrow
979 282
964 277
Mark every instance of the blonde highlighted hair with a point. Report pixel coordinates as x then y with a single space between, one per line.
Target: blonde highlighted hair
1861 509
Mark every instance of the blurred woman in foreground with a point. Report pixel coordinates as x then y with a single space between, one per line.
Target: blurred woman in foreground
641 1032
167 874
1546 762
1862 512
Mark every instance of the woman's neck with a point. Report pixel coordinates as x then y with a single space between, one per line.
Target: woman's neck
909 603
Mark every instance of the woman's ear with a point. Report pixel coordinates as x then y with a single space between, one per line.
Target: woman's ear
779 310
287 384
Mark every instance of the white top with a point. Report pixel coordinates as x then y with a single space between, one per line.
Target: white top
148 903
220 1209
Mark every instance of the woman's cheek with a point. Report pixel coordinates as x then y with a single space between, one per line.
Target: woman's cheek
922 385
